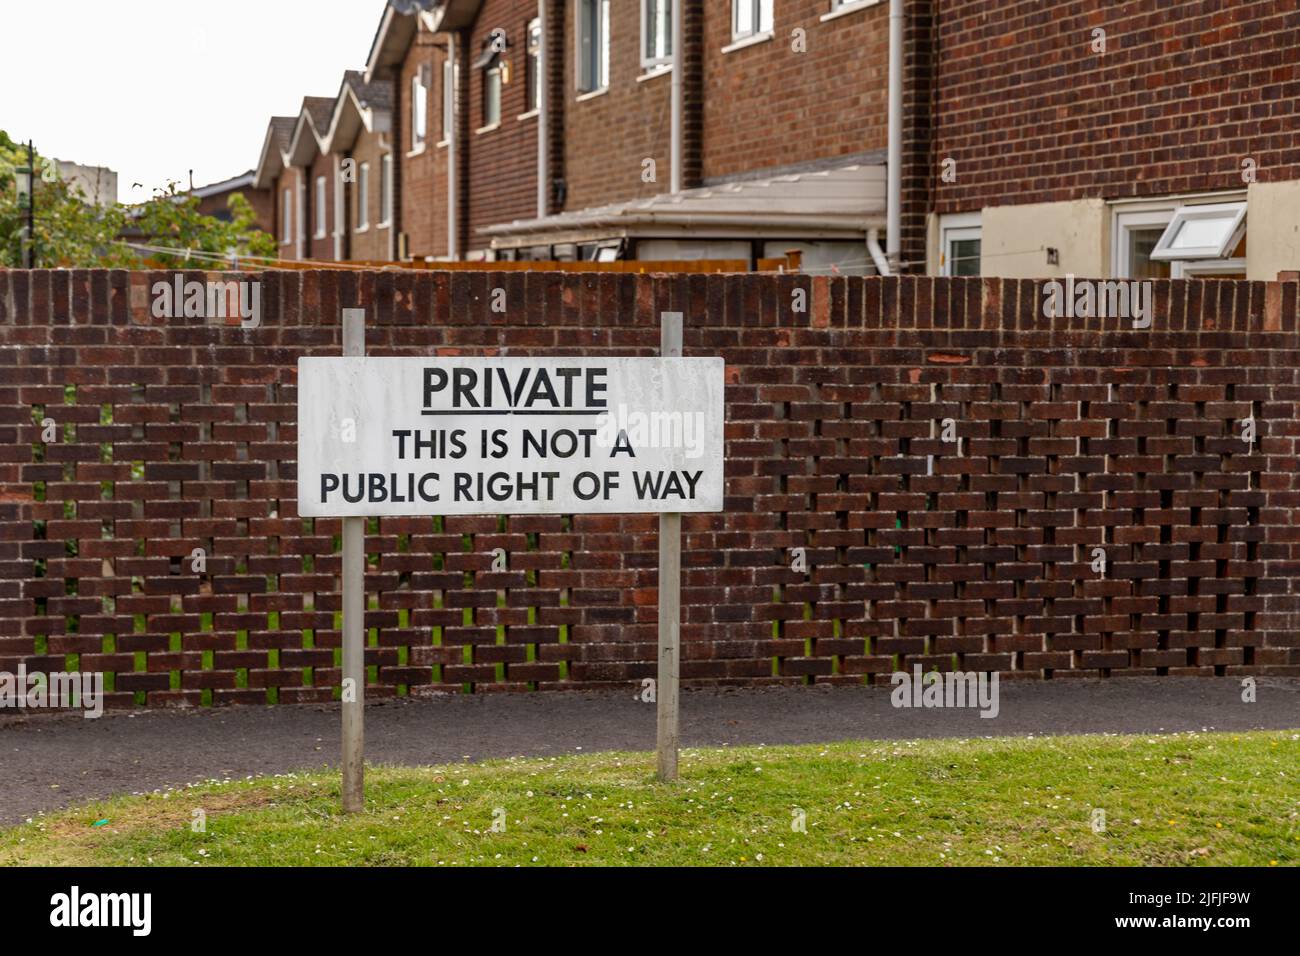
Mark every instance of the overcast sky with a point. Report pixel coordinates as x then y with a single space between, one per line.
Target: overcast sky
155 88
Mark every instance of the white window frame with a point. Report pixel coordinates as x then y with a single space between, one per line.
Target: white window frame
419 110
1206 268
965 225
590 85
1233 213
532 66
762 16
841 7
363 198
1153 214
661 57
286 216
318 202
1131 220
385 190
448 102
491 80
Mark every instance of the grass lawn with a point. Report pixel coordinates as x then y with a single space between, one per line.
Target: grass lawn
1209 798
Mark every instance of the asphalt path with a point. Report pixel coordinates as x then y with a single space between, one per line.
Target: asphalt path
52 761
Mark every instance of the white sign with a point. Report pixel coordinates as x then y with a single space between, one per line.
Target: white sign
447 436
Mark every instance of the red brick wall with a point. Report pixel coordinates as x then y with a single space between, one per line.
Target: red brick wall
1074 436
423 175
502 161
765 105
608 136
1184 92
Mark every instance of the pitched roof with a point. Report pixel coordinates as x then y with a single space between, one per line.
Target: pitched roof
377 94
359 105
309 130
216 189
271 159
281 130
319 109
396 30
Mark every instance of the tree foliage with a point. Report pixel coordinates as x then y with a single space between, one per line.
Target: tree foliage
72 232
171 220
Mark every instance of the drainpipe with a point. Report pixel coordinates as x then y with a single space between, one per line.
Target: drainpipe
894 170
300 238
452 251
677 94
877 256
543 68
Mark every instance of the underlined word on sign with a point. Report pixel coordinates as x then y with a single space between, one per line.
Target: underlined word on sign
442 436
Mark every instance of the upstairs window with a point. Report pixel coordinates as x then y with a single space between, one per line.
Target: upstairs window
448 100
750 18
363 196
656 33
533 72
286 217
419 107
489 63
593 45
320 207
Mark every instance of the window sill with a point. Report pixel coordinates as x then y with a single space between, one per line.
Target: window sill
319 236
652 72
848 8
360 229
591 94
417 151
442 144
487 129
752 40
383 225
527 116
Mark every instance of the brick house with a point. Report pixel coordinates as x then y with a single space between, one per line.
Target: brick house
475 90
782 133
1030 139
299 173
358 149
406 55
1148 140
214 200
270 176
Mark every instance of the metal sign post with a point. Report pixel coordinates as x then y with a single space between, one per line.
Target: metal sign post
515 435
670 597
354 618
